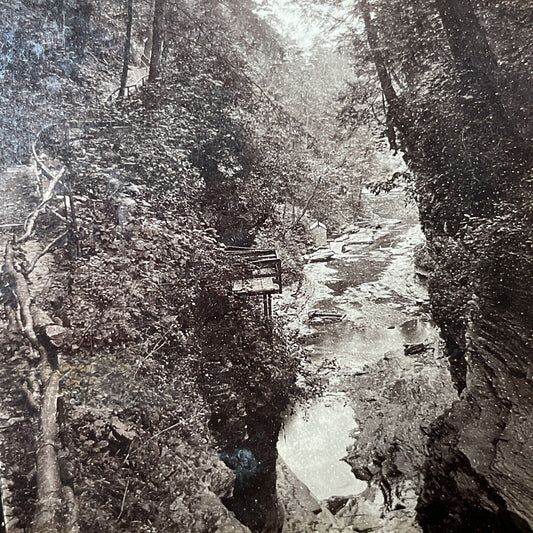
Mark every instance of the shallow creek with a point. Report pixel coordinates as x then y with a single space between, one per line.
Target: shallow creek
372 284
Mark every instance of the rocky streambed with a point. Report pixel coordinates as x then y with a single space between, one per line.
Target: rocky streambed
352 459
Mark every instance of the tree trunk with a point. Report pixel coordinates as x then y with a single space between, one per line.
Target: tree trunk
393 114
475 59
147 50
158 28
377 55
127 46
471 52
468 42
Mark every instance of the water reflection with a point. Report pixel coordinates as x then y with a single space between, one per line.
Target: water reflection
355 346
314 444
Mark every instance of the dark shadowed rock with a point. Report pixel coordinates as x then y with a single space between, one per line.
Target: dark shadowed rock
336 503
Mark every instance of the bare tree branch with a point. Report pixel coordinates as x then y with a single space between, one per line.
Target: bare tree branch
47 248
47 196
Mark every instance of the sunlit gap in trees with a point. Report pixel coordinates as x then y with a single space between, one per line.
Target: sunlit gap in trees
307 25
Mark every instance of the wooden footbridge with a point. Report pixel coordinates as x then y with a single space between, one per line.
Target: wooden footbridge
263 278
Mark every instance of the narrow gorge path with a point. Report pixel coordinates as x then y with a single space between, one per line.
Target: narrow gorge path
384 380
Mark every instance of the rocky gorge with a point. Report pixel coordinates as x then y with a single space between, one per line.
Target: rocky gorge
141 391
363 315
443 422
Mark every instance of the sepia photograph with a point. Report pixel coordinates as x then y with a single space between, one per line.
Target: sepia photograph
266 266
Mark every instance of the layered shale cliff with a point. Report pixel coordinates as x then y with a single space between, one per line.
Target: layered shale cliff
463 123
478 474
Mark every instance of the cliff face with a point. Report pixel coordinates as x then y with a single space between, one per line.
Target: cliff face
478 475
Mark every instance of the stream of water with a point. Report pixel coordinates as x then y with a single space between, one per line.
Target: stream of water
371 281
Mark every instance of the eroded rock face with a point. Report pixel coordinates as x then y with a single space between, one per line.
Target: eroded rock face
395 401
479 475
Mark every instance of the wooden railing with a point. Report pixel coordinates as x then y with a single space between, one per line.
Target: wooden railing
264 276
63 132
129 89
65 128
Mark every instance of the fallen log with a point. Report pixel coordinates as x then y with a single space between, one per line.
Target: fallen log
49 500
19 287
47 196
55 509
330 316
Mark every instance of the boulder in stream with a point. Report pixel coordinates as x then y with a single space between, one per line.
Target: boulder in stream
322 255
363 236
